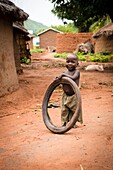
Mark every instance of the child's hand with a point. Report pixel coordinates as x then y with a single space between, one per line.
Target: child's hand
59 77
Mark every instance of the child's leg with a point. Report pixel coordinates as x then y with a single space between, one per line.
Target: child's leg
64 111
70 114
64 115
80 119
72 104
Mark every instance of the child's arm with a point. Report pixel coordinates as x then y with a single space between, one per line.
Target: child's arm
60 76
74 76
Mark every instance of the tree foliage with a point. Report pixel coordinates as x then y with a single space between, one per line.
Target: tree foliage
67 28
99 24
83 12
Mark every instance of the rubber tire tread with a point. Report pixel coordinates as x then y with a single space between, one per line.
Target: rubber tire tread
48 93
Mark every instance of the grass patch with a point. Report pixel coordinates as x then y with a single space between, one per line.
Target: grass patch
63 55
90 57
25 60
37 50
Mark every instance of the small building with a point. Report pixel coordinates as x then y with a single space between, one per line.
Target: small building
9 13
48 38
104 39
36 42
20 39
30 36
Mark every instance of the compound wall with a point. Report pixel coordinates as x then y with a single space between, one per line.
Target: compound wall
68 42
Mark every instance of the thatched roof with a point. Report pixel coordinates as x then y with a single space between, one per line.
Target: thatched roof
20 26
107 30
9 9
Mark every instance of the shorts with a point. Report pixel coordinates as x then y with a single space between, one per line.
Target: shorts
68 108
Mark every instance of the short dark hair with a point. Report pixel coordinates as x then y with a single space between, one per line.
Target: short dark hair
72 54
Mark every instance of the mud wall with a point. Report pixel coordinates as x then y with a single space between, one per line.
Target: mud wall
68 42
104 44
16 51
48 39
8 75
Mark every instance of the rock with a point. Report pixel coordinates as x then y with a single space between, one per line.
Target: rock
86 47
95 67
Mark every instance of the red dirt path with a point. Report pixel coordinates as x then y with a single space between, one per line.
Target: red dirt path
25 142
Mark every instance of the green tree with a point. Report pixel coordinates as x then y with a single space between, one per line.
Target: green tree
83 12
99 24
66 28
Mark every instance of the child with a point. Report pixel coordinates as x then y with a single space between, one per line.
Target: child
69 98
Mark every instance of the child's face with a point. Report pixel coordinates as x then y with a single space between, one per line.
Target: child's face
71 62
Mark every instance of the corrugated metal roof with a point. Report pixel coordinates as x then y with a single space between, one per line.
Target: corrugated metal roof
49 30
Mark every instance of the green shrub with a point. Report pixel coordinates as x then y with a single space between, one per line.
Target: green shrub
104 59
81 58
79 53
95 59
37 50
57 55
89 57
63 55
25 60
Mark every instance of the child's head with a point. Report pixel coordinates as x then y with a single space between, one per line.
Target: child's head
71 61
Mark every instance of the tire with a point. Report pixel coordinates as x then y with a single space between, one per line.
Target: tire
46 118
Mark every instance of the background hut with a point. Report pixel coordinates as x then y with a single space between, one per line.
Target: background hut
48 39
20 38
30 36
104 39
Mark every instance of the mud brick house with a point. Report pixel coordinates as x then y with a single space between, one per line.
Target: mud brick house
30 36
104 39
20 39
48 39
9 13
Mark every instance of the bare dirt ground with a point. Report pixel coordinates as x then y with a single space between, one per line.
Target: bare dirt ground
26 143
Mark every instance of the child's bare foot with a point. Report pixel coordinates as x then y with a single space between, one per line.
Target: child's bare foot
75 126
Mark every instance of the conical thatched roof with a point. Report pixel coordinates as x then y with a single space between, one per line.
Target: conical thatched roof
107 30
20 26
7 8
